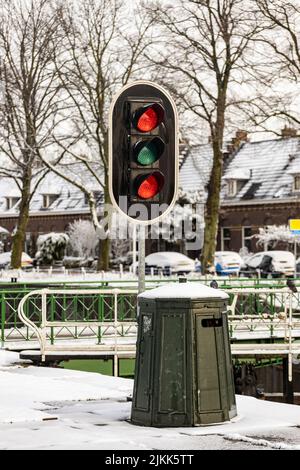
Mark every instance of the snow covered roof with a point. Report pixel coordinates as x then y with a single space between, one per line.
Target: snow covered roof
266 168
183 153
189 290
68 197
196 169
269 163
295 166
238 174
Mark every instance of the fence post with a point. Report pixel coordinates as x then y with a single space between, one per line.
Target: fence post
290 368
3 319
43 325
116 371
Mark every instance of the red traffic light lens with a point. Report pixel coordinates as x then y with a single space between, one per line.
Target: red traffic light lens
149 117
149 186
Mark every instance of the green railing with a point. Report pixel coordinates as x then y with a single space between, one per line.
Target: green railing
82 307
63 308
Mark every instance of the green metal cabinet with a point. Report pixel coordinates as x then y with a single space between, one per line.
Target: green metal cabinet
184 373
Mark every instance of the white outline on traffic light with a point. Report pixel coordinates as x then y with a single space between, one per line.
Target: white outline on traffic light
176 156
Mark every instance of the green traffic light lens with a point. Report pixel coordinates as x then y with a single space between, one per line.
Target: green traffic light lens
147 155
148 152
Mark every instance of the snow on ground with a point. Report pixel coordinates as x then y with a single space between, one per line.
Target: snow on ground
49 276
25 391
42 408
8 358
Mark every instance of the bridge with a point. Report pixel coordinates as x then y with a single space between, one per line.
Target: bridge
59 324
93 321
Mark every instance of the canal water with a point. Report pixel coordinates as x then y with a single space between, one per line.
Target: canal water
269 379
105 367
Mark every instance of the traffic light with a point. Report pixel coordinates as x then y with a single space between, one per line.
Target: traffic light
143 148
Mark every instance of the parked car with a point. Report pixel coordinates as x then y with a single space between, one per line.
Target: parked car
270 264
228 262
5 261
169 263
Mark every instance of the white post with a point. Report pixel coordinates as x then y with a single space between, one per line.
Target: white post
142 253
134 252
290 338
116 372
43 325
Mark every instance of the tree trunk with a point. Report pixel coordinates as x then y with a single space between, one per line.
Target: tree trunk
214 190
19 237
105 245
212 213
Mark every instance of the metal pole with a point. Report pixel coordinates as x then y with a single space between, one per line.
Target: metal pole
142 254
288 389
134 257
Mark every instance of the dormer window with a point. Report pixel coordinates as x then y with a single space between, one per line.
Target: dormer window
11 202
48 200
236 178
297 183
232 188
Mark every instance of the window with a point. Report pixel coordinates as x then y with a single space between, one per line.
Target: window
297 183
11 202
247 237
232 188
28 242
48 200
226 239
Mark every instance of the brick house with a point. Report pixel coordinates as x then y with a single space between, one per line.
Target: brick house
261 185
55 205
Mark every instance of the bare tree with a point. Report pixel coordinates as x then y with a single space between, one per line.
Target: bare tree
103 51
205 42
280 39
29 40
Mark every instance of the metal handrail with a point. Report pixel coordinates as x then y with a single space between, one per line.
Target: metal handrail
41 331
286 319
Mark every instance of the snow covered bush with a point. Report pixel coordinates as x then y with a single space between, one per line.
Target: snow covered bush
273 234
120 252
184 222
83 238
51 247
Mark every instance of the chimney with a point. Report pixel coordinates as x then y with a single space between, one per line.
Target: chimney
236 142
242 136
288 132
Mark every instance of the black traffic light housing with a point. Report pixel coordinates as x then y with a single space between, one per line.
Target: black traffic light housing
143 147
